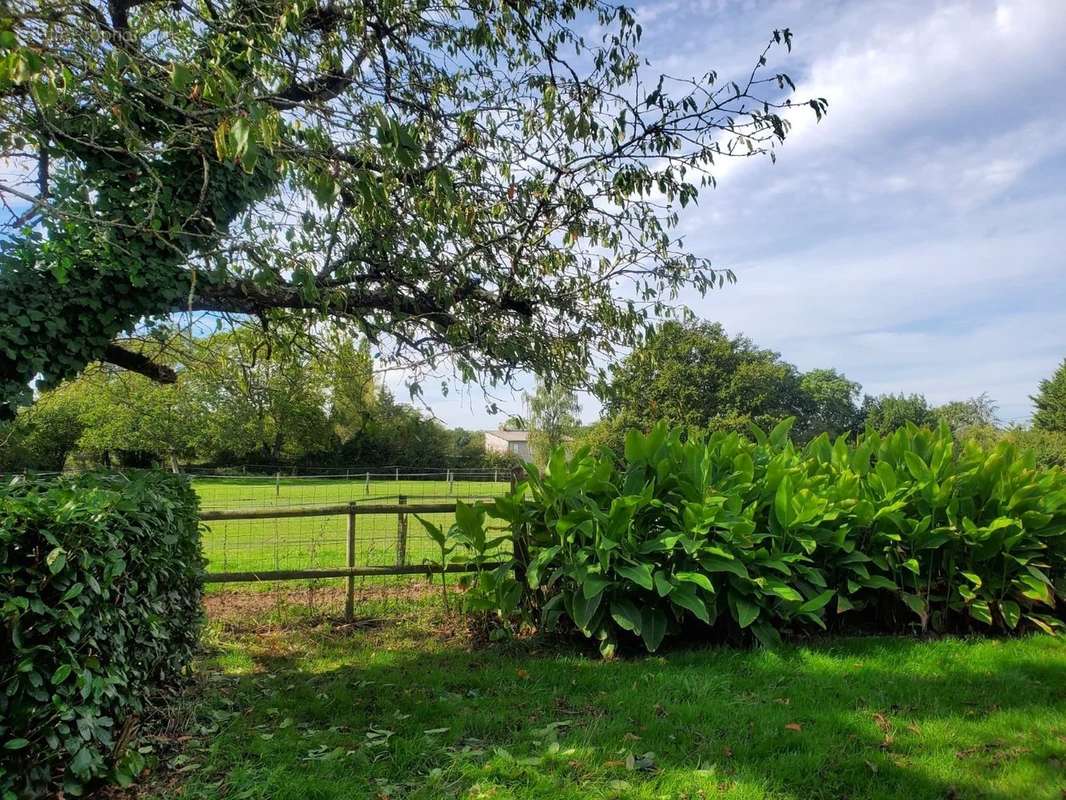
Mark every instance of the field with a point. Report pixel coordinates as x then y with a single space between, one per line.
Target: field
414 711
320 542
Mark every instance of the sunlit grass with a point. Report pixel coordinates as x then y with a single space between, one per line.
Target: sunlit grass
321 542
405 712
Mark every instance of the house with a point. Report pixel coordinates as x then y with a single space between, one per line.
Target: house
515 443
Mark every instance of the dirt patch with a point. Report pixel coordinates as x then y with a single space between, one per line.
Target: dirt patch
257 610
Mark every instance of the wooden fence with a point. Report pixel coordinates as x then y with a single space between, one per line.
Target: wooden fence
350 571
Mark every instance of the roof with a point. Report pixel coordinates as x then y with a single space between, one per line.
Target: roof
510 436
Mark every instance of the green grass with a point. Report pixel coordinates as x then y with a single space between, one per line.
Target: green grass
320 542
404 712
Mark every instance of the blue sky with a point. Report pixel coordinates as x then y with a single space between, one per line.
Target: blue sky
915 237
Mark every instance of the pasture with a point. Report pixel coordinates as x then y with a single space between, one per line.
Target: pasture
320 542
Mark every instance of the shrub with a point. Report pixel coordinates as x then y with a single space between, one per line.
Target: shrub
757 536
100 585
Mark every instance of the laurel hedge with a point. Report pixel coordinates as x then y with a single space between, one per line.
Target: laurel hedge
100 589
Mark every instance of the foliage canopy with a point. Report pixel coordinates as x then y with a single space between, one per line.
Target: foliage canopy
1050 402
468 181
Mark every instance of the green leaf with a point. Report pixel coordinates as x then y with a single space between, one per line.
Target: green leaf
662 584
640 575
980 611
653 627
766 634
697 578
626 614
916 604
61 674
917 467
16 744
585 608
1011 613
687 596
779 435
784 591
783 503
817 602
747 612
592 585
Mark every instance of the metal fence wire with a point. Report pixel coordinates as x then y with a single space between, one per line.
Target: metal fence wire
290 529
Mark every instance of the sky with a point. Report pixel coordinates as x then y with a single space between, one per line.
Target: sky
915 238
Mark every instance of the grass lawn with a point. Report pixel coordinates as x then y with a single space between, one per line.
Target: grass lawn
320 542
412 710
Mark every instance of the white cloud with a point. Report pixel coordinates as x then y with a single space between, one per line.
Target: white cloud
914 237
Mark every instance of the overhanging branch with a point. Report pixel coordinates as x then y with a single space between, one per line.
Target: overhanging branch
136 362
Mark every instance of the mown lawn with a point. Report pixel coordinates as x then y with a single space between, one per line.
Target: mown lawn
413 710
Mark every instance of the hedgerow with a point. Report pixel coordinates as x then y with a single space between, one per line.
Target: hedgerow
100 587
745 536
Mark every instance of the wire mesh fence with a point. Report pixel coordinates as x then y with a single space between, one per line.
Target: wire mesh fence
330 541
279 489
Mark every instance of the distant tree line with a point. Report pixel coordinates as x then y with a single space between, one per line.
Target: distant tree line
243 400
698 375
237 402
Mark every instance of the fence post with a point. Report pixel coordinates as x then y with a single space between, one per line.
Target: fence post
277 484
401 533
367 482
397 474
349 600
451 483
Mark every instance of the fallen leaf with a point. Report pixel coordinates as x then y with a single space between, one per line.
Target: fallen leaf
641 763
794 726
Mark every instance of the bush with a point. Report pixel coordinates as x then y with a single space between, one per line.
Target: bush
100 586
1047 447
756 536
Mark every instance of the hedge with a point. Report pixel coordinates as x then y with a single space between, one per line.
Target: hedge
736 537
100 589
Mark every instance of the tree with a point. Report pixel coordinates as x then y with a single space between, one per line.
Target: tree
268 401
965 416
833 403
887 412
1050 402
515 422
125 415
44 436
464 181
698 375
553 419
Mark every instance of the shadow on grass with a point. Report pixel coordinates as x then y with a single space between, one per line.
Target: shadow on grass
383 714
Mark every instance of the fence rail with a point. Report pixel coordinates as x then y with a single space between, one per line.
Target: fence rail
352 511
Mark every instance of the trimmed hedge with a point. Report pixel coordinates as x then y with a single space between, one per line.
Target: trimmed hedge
738 537
100 590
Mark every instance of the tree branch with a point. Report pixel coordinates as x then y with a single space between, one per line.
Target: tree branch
136 362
